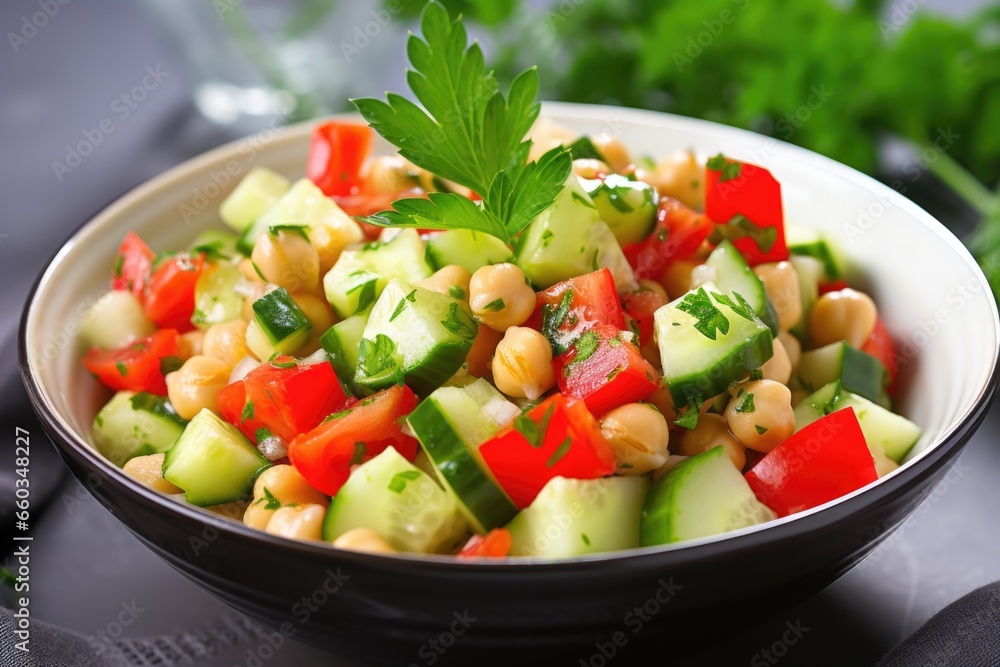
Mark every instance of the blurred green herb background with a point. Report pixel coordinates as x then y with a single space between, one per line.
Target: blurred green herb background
879 70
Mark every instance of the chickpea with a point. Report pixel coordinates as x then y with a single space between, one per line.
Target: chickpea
655 287
670 464
590 168
782 286
389 174
249 273
149 471
613 150
317 310
546 134
365 540
298 522
483 349
284 484
638 434
195 384
522 365
190 343
761 415
682 177
288 259
779 366
330 235
500 296
226 341
846 314
449 280
677 278
664 402
712 432
793 348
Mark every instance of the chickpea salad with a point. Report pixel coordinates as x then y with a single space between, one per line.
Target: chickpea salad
505 340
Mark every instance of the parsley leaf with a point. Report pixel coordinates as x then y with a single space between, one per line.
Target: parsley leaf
272 502
691 415
247 411
747 404
760 429
756 374
560 452
495 306
729 169
740 226
376 356
456 292
710 318
532 432
586 345
298 230
411 297
122 368
741 307
553 318
460 322
584 149
398 482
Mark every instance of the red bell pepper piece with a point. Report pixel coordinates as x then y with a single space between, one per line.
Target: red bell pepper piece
288 399
494 544
824 461
605 369
336 152
880 345
640 306
135 367
833 286
557 438
567 310
132 264
678 233
745 201
169 299
325 454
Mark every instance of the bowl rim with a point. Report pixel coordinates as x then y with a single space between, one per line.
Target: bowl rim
71 445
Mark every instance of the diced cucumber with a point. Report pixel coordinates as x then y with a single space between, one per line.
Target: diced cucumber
699 360
258 191
215 297
131 425
569 239
858 372
213 462
734 275
341 342
702 495
628 207
216 243
572 517
360 274
451 423
115 320
468 249
809 271
891 433
809 242
282 321
416 336
400 502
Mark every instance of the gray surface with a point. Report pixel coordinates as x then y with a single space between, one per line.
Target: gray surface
86 565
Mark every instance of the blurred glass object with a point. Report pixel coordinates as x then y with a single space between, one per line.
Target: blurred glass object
255 61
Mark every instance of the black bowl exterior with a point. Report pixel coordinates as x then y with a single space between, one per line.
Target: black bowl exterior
397 610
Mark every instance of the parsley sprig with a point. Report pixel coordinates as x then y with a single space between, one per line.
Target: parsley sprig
467 132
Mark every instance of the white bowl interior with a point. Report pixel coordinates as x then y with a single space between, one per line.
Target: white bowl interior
934 300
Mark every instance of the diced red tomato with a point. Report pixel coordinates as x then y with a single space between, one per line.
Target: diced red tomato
833 286
558 437
640 306
336 152
170 294
230 403
325 454
756 195
824 461
678 233
605 370
291 400
131 270
881 346
567 310
135 367
494 544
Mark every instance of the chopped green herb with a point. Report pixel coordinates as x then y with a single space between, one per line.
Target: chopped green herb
585 345
279 360
119 264
710 318
170 364
376 356
583 536
247 411
495 306
122 368
583 200
747 404
262 434
560 452
760 429
289 229
256 269
272 502
398 482
691 415
360 451
756 374
741 307
210 251
729 169
336 415
460 322
553 318
584 149
367 289
739 226
157 405
547 238
456 292
532 432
